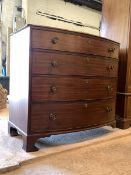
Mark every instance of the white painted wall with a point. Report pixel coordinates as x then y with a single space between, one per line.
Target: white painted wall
53 7
66 10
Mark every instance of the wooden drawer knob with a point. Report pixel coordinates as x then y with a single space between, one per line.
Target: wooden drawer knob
55 40
52 116
54 63
109 88
111 50
109 68
53 89
108 109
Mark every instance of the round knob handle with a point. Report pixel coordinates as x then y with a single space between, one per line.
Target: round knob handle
55 40
108 109
109 88
53 89
52 116
54 63
110 68
111 50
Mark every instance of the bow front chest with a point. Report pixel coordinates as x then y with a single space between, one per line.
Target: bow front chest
60 81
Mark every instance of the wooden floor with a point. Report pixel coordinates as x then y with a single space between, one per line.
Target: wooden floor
103 151
107 158
4 112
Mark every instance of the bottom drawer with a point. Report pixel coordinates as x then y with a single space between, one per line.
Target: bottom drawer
68 116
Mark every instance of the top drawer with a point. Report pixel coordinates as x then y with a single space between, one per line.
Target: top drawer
58 40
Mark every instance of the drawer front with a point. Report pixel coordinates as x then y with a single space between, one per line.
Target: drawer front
69 116
68 88
73 43
67 64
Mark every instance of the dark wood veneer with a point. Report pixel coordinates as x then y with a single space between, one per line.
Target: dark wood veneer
58 63
65 81
55 40
71 88
61 116
115 24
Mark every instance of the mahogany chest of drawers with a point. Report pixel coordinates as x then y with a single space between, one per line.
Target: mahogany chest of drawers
60 81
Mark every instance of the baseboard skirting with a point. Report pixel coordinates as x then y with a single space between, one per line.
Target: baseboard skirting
123 123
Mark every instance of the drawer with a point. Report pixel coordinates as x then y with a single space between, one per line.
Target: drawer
58 88
67 64
68 116
73 42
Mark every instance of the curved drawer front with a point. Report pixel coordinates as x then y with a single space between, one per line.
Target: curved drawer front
67 64
57 88
78 43
69 116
